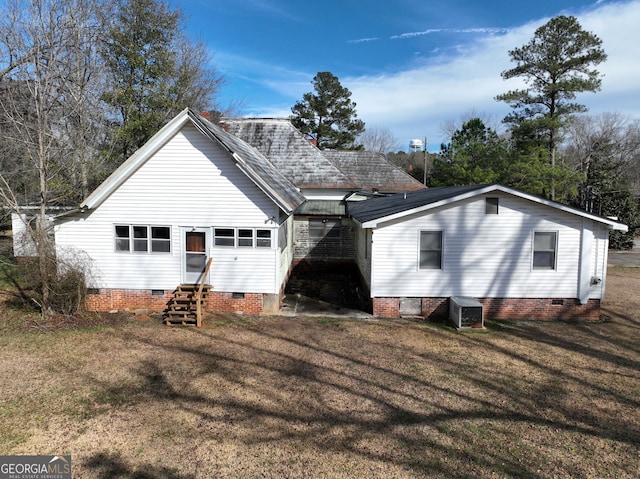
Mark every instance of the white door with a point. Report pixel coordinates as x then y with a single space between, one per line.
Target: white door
194 255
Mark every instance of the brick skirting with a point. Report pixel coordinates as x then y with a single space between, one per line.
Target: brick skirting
130 299
501 308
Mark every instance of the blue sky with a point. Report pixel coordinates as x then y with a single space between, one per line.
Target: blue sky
413 66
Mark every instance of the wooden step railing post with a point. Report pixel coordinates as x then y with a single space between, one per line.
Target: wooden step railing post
198 295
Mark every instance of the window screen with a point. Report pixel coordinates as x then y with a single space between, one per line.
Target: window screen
224 237
160 239
544 250
431 250
122 238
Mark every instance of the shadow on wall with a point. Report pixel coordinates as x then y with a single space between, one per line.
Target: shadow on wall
334 282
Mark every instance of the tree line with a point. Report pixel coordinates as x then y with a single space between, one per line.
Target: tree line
83 84
551 147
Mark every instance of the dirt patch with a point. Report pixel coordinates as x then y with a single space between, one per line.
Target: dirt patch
274 397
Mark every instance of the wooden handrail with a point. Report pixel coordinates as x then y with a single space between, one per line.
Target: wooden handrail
198 295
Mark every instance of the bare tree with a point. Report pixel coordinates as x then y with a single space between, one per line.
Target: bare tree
84 127
605 149
46 107
609 136
451 126
378 139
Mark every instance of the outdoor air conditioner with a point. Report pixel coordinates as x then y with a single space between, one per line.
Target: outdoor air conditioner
466 312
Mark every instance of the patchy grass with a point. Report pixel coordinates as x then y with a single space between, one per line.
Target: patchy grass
274 397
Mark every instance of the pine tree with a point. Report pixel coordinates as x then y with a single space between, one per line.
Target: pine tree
328 116
557 63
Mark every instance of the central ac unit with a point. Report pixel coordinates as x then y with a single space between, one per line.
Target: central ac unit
466 312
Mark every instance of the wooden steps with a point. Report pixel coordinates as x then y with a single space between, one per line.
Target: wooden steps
183 307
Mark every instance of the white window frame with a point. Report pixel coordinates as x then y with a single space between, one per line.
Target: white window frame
554 267
441 250
258 238
134 242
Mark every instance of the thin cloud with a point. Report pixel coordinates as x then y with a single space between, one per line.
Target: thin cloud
490 31
430 90
364 40
440 88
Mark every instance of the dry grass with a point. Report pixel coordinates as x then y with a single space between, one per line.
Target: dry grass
308 398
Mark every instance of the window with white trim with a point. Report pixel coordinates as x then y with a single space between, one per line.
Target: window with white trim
545 247
224 237
245 238
242 237
263 238
142 239
430 250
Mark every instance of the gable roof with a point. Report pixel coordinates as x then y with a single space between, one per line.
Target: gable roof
371 213
371 171
291 153
248 159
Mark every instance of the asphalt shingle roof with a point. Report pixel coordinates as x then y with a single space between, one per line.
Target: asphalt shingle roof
291 153
371 171
385 206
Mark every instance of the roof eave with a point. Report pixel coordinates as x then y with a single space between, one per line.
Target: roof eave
283 204
135 161
286 206
611 224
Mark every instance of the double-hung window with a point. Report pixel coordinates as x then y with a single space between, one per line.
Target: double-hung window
160 239
242 237
545 247
263 238
430 249
224 237
142 239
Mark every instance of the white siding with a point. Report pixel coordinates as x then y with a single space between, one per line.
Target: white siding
243 270
324 193
483 255
600 254
190 181
23 244
286 254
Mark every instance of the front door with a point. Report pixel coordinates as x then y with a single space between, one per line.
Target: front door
194 258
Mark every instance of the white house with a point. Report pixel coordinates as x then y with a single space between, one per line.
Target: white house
519 255
322 229
191 193
256 197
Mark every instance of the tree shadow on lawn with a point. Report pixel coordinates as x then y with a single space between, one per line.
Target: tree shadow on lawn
274 387
107 466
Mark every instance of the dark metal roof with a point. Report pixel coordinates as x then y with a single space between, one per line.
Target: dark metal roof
322 208
371 171
369 211
377 208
